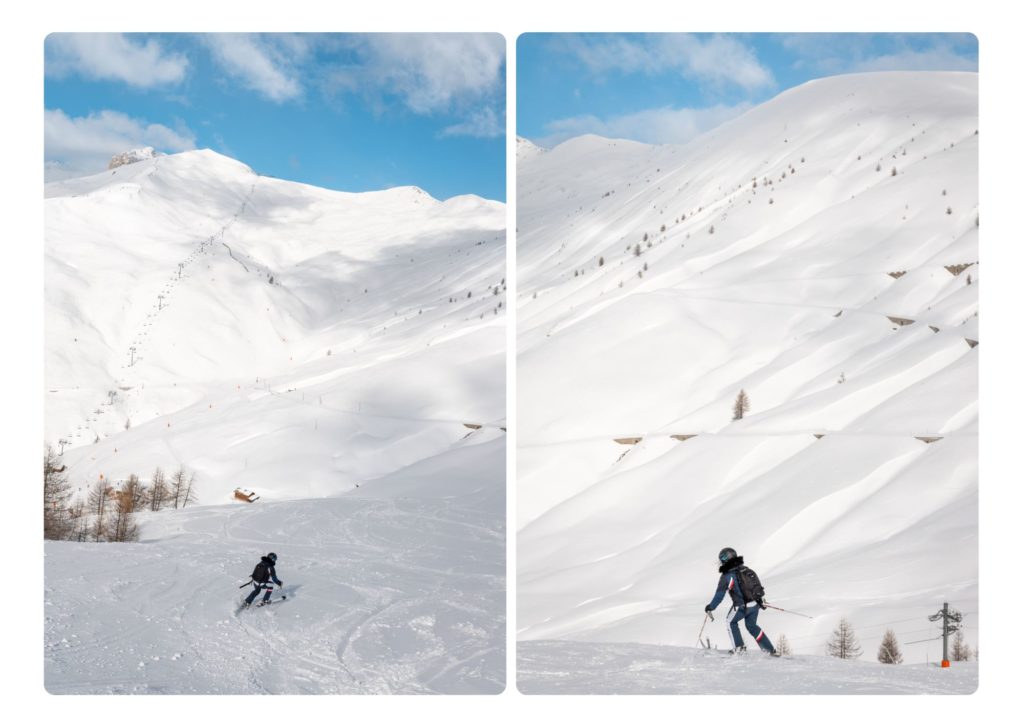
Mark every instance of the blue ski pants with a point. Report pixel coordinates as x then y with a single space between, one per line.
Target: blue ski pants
748 614
259 587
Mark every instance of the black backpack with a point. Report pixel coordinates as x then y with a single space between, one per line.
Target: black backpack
750 584
261 573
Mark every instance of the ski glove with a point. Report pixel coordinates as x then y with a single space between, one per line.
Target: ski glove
707 608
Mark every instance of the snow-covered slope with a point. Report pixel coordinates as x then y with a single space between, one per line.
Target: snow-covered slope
323 350
553 667
398 589
819 253
280 337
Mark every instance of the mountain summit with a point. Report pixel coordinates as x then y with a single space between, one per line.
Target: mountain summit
129 156
200 313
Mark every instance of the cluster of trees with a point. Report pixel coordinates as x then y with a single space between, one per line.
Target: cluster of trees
844 644
106 513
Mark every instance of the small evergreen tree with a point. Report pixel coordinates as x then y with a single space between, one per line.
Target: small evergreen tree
741 406
843 644
889 650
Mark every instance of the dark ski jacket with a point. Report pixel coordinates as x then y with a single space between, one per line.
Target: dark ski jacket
270 568
728 583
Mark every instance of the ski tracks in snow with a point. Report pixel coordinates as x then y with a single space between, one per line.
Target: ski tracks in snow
386 595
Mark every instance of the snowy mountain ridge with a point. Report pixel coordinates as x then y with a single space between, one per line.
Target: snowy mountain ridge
130 156
819 253
199 313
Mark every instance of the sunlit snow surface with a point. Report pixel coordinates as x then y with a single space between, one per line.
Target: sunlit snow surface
398 589
789 299
546 667
321 349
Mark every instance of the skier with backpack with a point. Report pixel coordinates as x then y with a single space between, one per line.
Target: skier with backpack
263 577
747 593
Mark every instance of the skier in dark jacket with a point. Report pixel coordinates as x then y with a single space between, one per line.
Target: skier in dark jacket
264 577
742 609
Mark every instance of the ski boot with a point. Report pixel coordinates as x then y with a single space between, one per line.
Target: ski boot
738 651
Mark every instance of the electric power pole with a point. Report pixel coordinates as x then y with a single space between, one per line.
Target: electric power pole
950 625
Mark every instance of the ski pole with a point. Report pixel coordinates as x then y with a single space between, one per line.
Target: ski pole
246 583
707 615
802 615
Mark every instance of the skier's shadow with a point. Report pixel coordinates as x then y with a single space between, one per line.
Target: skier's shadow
290 589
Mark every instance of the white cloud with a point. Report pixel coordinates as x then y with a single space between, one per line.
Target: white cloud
433 72
938 58
263 63
718 60
481 123
664 125
456 75
110 56
834 53
75 146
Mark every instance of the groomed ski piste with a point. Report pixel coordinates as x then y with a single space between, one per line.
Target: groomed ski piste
338 355
819 253
576 667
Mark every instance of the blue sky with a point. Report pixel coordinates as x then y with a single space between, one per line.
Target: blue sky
668 88
348 112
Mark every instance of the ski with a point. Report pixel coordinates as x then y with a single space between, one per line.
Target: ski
258 604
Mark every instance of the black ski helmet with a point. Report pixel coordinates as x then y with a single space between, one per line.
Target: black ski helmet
726 554
273 556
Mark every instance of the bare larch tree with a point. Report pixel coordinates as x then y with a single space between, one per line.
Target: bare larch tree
843 644
741 406
889 650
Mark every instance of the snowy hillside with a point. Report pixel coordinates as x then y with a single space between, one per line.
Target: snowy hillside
287 339
399 589
339 355
818 253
